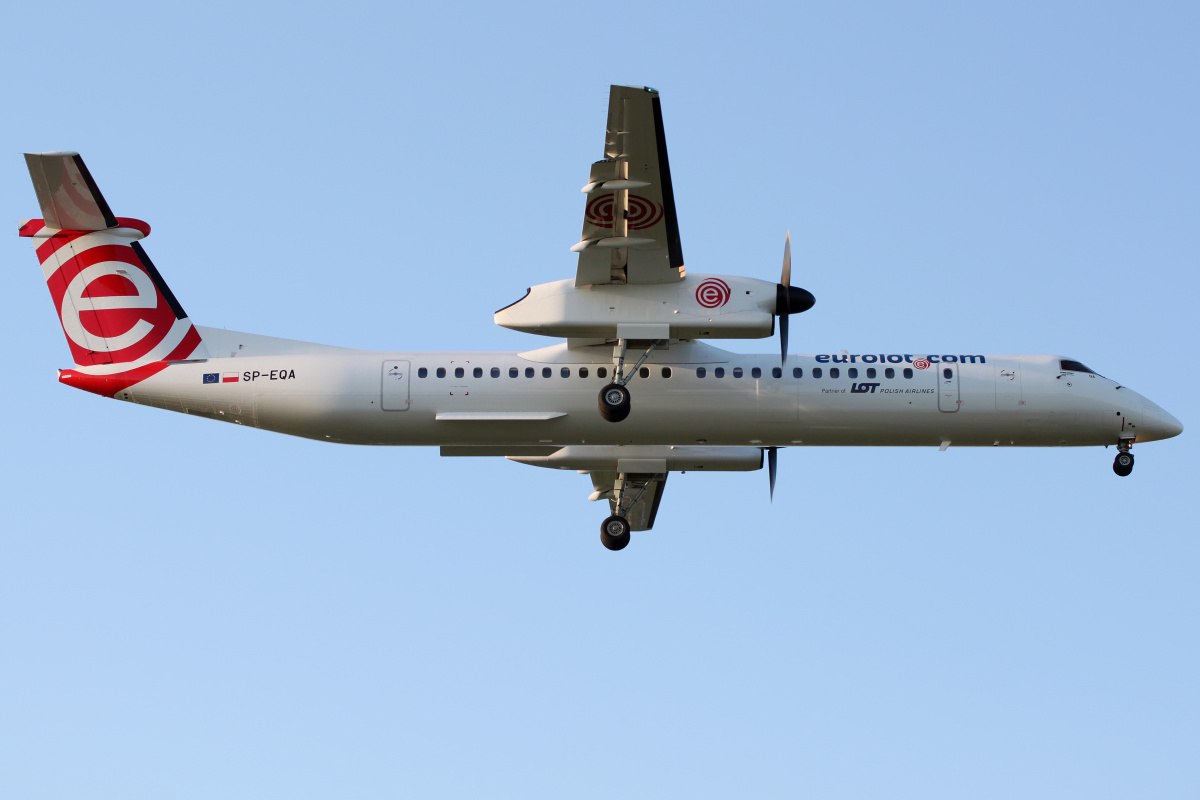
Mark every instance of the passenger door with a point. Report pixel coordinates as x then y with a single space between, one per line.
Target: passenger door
395 386
1008 387
948 387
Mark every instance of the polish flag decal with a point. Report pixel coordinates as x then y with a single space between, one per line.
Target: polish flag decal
229 377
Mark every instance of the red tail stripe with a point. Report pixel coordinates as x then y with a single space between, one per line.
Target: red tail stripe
191 341
31 227
109 385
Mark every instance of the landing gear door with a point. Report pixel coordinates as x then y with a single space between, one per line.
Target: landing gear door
948 387
395 385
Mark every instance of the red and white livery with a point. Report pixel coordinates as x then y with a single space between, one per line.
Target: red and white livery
634 392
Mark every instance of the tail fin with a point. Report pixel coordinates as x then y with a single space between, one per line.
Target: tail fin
116 310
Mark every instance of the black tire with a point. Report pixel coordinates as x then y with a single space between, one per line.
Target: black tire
1123 464
614 533
614 402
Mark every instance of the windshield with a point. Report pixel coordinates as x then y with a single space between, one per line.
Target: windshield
1068 365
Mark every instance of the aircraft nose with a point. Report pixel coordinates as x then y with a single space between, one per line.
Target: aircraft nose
1161 424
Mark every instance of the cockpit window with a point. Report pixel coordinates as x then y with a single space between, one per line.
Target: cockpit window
1074 366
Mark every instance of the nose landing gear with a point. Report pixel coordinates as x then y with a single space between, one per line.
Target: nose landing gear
1123 464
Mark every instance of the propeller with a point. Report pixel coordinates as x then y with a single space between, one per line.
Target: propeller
773 467
789 299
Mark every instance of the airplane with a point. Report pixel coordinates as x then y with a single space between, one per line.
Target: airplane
634 392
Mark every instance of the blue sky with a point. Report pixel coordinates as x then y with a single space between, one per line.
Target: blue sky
195 610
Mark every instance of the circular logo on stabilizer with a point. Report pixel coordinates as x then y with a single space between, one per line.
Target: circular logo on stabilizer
643 213
921 363
109 304
713 293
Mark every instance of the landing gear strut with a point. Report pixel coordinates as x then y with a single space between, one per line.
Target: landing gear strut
1123 464
614 398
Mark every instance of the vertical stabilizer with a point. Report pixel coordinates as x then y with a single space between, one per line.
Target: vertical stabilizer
117 312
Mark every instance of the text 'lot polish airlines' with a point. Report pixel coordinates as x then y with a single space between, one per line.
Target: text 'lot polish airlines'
634 322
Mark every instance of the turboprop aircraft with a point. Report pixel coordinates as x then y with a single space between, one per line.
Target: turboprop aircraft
633 394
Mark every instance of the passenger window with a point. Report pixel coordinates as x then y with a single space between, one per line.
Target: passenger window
441 372
478 372
495 372
422 373
666 372
701 372
798 373
756 373
529 372
566 372
908 373
816 373
583 372
834 372
458 372
870 372
547 372
737 372
947 373
719 372
889 373
602 372
644 372
852 372
776 372
513 372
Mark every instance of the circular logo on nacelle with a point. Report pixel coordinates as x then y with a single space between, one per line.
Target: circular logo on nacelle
713 293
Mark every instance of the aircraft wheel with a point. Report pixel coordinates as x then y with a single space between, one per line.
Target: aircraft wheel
614 402
1123 465
614 533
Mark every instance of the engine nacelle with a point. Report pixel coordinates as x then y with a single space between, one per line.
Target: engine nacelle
697 307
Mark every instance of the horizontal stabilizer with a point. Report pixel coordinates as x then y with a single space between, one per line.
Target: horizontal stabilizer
68 196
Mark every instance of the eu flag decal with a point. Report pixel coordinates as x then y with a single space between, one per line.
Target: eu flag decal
212 377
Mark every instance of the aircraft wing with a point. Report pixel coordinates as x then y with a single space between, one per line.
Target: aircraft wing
630 229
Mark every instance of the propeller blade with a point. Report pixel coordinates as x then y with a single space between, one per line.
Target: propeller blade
772 467
786 278
783 339
783 298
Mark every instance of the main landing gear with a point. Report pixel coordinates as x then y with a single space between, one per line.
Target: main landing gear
1123 464
614 398
614 402
614 533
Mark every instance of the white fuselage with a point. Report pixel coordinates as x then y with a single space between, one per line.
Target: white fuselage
549 397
